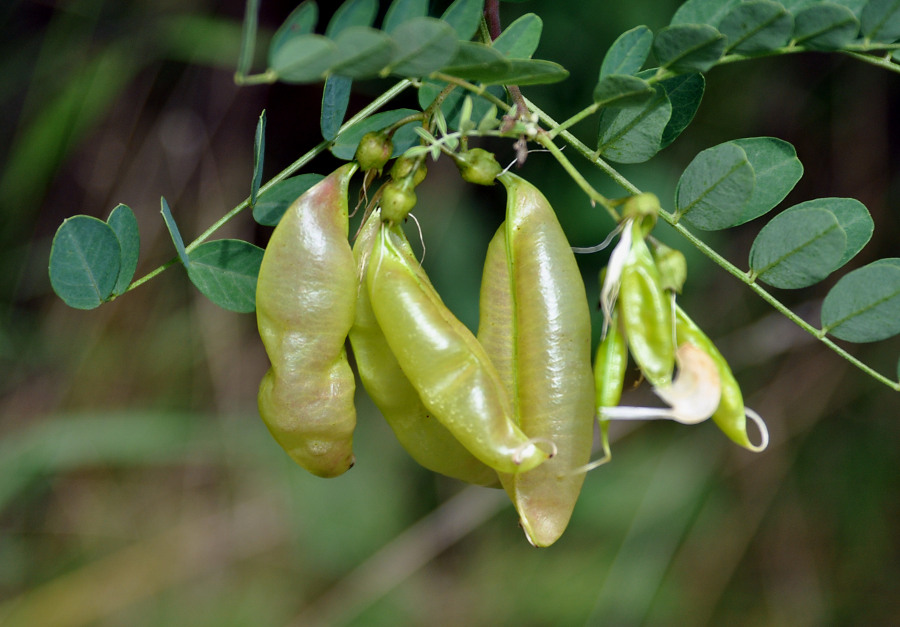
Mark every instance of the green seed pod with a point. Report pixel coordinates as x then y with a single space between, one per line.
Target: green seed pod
535 326
374 150
423 437
449 369
405 166
610 367
397 200
731 415
672 267
305 303
478 166
646 313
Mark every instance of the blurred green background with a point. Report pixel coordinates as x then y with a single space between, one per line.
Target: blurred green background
138 486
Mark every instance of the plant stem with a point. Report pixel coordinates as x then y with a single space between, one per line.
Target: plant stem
265 78
575 119
544 140
882 62
586 152
774 302
371 108
717 258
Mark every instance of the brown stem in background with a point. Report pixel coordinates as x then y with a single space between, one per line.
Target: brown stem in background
492 17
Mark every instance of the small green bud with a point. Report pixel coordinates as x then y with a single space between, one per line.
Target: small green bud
374 150
397 200
403 168
672 267
478 166
643 208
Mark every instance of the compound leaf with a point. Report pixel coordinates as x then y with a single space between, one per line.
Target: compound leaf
685 92
335 99
423 45
880 20
520 39
689 47
352 13
825 26
798 247
84 262
464 16
633 135
225 271
757 26
361 51
304 59
301 21
864 306
777 171
854 218
622 90
715 187
125 226
628 52
703 11
402 10
275 201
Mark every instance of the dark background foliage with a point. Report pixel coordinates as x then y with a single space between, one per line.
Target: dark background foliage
139 487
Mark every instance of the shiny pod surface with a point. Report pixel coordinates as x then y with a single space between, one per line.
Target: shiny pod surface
446 365
610 366
646 313
535 326
423 437
305 303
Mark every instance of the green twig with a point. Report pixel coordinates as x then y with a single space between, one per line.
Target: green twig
266 78
544 140
774 302
882 62
575 119
371 108
585 152
716 258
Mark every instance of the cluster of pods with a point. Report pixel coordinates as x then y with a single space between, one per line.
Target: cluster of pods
513 405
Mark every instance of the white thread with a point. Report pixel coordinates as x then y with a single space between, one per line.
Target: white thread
421 237
763 430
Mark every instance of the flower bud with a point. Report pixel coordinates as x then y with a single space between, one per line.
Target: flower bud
374 150
478 166
672 267
397 200
405 166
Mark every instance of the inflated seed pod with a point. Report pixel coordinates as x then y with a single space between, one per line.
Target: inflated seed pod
423 437
449 369
535 326
305 303
645 310
730 415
